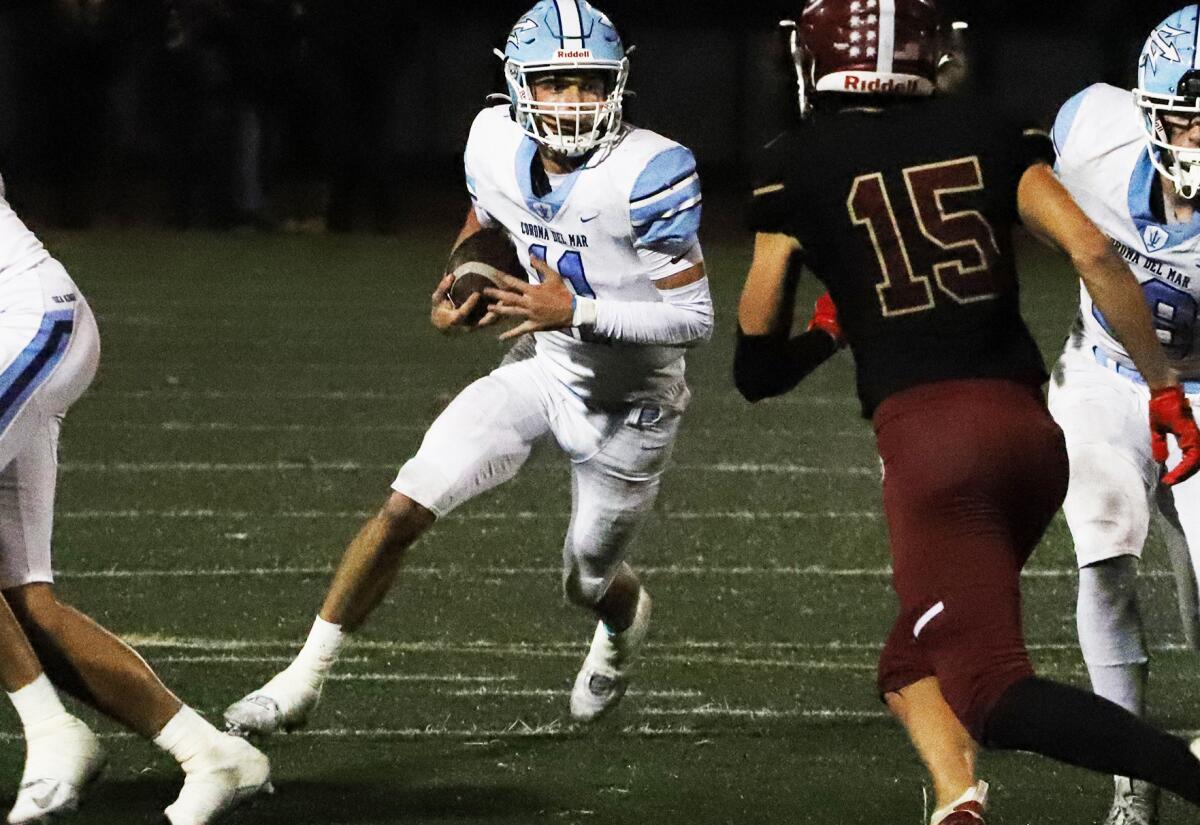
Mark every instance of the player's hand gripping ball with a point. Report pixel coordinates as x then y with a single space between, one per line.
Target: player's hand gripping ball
477 263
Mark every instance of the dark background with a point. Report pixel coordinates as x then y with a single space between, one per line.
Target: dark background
351 114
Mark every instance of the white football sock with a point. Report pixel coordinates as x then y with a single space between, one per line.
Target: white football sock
1123 684
186 736
1110 632
976 793
320 650
37 702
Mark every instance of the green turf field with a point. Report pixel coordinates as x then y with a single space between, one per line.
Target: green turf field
255 398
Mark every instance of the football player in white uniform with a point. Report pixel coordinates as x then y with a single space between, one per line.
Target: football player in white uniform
1135 171
606 214
49 351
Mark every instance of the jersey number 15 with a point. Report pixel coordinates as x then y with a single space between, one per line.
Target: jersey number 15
956 250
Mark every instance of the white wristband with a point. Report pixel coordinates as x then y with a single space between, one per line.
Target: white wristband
585 312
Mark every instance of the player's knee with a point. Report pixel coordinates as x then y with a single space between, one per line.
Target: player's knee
977 651
404 519
972 693
581 587
1106 506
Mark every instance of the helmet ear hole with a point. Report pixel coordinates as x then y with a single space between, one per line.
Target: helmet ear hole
1189 85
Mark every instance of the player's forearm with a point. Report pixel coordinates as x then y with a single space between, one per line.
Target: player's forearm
683 318
1050 212
768 365
1119 298
769 295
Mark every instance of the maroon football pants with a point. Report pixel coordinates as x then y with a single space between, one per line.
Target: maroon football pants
973 472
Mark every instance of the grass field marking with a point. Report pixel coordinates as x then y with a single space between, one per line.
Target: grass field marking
349 465
736 652
765 663
816 571
176 393
286 427
725 711
558 693
234 659
550 731
434 678
519 729
517 515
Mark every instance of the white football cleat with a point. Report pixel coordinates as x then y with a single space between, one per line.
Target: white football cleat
604 677
1134 803
282 704
62 758
218 779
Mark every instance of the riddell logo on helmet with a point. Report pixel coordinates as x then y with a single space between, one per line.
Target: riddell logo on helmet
574 54
854 83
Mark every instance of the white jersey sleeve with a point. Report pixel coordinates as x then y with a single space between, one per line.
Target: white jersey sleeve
1103 160
20 249
665 204
472 161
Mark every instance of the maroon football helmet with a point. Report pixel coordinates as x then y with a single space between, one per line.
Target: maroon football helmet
877 47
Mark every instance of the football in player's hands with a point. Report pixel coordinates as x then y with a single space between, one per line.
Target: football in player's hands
477 263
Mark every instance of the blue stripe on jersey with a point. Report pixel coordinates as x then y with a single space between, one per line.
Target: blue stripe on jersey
662 172
1065 120
1141 184
471 186
674 235
545 208
34 364
666 204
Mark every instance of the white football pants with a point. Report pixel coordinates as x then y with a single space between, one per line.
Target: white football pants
617 457
49 351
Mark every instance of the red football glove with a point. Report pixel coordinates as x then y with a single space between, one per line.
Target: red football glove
1171 413
825 318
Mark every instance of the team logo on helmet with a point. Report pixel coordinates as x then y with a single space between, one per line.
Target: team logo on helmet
1161 45
523 25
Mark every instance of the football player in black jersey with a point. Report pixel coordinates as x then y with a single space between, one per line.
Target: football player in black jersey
902 202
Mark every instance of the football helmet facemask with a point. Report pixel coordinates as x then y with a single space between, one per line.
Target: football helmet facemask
1169 87
875 47
570 37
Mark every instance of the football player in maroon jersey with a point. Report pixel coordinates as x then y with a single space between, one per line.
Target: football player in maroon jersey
902 201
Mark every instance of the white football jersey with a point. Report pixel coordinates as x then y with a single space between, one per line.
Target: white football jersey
622 221
1104 161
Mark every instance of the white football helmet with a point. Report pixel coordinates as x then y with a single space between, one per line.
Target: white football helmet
566 35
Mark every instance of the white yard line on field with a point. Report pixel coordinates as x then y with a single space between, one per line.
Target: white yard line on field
285 427
815 571
677 648
426 393
555 730
348 465
518 515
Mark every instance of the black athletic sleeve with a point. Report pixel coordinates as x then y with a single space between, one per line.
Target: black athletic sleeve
1034 146
768 365
772 205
